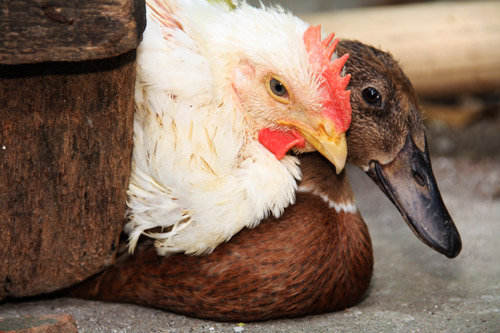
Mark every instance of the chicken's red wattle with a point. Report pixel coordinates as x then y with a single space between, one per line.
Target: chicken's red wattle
280 142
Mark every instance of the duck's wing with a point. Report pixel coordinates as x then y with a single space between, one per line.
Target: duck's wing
315 258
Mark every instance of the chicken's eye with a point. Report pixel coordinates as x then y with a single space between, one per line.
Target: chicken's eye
277 88
372 96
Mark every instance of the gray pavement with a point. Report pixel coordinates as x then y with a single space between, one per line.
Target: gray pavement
413 289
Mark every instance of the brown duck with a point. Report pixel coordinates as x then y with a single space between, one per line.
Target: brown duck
317 257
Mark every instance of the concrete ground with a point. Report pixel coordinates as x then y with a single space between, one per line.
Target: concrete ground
413 288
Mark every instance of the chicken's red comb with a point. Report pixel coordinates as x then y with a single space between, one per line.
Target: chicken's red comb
336 100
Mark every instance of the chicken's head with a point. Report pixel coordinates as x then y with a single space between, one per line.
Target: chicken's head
304 106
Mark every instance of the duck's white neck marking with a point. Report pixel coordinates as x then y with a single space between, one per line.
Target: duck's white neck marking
346 207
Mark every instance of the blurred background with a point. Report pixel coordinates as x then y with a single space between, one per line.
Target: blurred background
303 7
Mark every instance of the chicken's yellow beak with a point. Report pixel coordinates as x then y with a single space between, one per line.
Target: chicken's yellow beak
325 139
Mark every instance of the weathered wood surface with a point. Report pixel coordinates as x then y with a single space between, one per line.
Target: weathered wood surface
65 149
446 48
34 31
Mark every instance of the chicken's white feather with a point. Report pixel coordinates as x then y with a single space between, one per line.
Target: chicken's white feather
197 172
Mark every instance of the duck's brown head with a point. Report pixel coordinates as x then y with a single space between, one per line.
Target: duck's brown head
387 140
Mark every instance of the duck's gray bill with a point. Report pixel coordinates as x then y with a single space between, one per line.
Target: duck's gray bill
409 182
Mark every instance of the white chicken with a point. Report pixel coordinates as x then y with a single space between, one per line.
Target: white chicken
221 95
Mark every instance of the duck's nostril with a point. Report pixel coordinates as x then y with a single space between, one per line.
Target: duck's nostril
419 178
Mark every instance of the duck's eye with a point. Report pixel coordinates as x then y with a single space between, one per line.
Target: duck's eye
277 87
372 96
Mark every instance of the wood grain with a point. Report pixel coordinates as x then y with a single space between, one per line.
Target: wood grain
57 30
65 149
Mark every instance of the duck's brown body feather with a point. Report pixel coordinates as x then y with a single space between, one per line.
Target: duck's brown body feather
311 260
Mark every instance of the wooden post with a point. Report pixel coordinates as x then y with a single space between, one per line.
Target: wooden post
65 140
